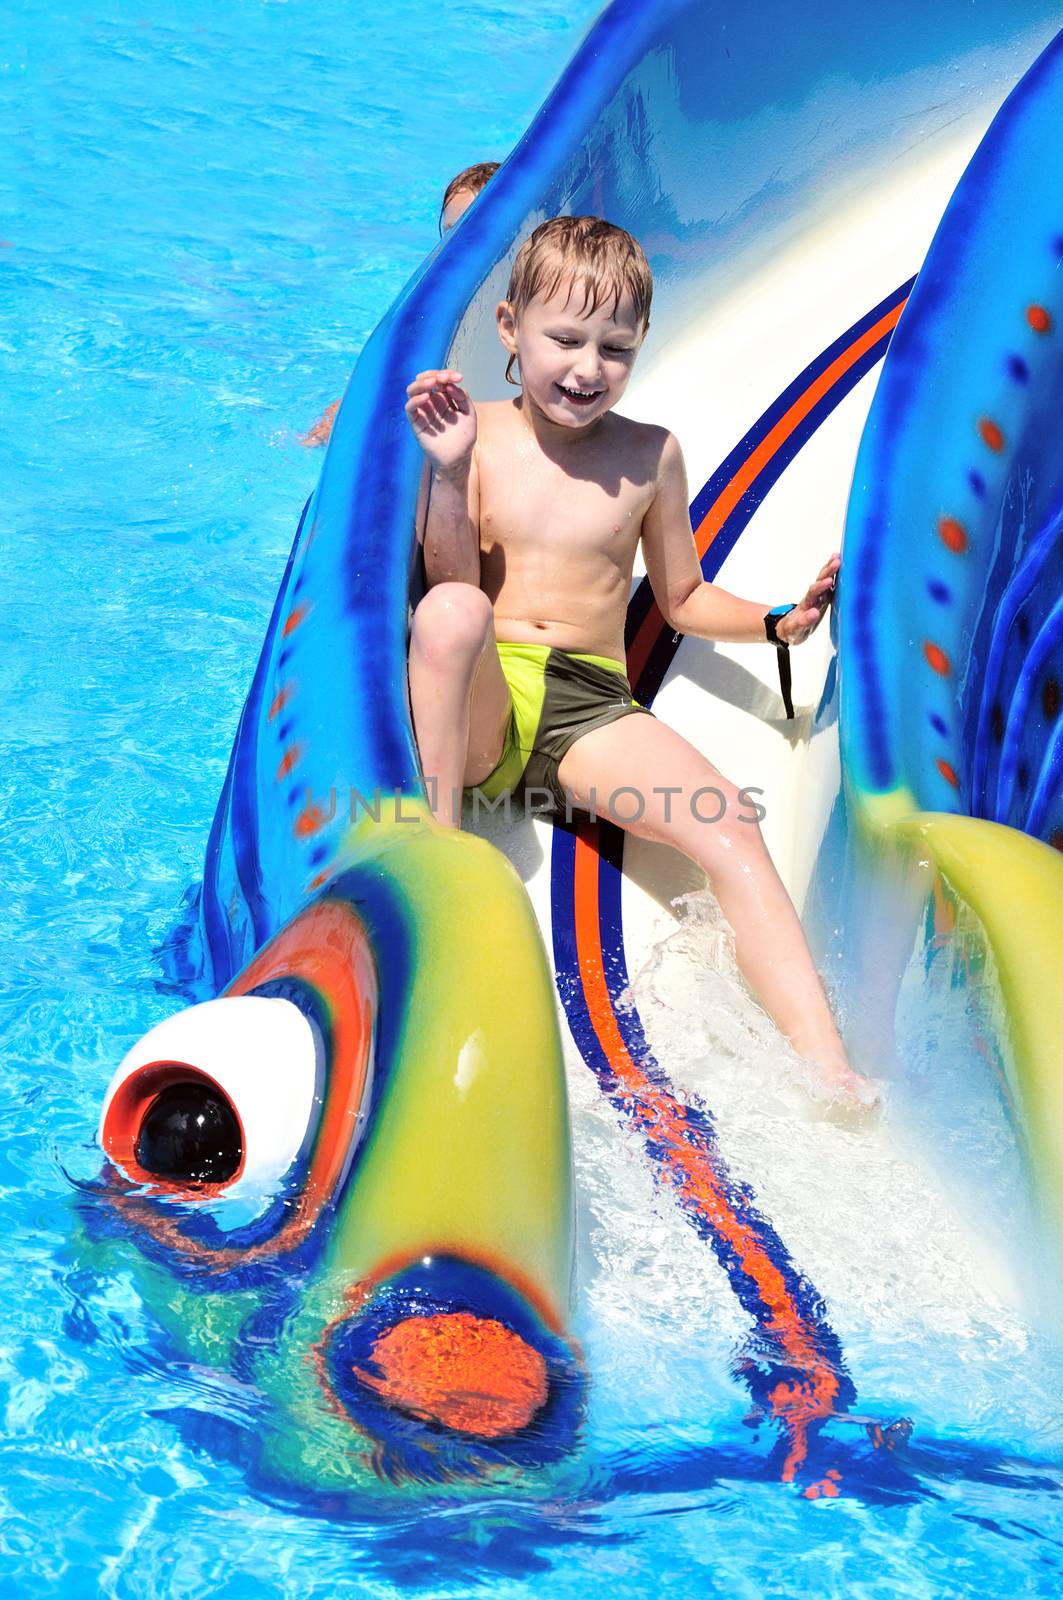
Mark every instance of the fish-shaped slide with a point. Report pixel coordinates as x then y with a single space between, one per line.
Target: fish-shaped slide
345 1173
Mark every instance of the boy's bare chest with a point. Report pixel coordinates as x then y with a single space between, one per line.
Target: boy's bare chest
536 506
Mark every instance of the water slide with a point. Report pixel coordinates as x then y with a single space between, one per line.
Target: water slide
387 1016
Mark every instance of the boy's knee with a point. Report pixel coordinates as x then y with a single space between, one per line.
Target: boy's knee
721 802
453 618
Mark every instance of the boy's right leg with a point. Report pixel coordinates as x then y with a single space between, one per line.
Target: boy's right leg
692 807
459 698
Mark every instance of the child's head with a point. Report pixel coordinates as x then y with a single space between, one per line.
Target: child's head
575 316
462 190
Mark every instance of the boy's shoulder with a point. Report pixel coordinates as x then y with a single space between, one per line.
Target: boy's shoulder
493 410
650 434
651 443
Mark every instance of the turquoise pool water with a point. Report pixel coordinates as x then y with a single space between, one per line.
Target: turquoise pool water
207 209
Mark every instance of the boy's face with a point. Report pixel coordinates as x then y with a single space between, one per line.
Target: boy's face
574 366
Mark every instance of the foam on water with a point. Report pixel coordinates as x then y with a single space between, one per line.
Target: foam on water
932 1318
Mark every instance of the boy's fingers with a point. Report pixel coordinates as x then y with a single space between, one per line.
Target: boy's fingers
433 379
423 419
423 386
444 397
437 404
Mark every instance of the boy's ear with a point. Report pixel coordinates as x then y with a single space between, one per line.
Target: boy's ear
507 326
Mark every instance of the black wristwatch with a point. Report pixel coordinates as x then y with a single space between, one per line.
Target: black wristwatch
771 633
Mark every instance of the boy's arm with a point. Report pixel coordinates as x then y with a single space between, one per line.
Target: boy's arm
687 602
444 422
451 531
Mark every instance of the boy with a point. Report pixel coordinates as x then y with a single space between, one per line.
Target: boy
458 196
536 510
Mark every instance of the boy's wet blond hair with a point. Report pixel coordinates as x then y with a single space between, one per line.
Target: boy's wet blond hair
600 261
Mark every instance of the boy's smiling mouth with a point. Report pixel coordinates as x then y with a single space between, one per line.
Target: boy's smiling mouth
580 397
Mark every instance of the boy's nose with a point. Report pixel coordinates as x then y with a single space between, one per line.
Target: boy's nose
588 372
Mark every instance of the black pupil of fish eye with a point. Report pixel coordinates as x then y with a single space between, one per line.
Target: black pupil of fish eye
190 1133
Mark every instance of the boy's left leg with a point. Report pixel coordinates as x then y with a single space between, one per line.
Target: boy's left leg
459 698
649 780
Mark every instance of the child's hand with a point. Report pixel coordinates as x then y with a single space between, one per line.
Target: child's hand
806 616
442 418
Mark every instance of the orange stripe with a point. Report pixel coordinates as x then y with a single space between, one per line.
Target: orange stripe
751 468
728 498
797 1404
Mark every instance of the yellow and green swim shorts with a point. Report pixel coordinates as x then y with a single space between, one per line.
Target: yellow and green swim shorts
557 696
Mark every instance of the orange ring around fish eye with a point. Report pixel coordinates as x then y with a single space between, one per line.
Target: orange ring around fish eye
125 1119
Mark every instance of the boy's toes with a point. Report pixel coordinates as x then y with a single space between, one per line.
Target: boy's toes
857 1101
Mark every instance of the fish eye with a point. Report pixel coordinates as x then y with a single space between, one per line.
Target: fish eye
223 1096
190 1134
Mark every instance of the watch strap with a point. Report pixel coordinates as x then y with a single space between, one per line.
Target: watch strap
782 655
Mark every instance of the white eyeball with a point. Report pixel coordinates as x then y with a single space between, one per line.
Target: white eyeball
222 1098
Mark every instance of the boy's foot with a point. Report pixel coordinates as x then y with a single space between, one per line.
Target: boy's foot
849 1092
855 1090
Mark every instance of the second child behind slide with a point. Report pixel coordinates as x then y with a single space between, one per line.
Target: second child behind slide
516 658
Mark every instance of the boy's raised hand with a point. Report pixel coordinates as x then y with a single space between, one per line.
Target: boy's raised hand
807 615
442 418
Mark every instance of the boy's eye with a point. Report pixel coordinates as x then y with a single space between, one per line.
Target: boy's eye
559 338
618 349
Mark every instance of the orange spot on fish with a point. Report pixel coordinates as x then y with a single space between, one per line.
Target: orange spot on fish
948 773
280 699
953 535
317 881
991 433
294 619
469 1373
937 658
1039 319
309 821
291 757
